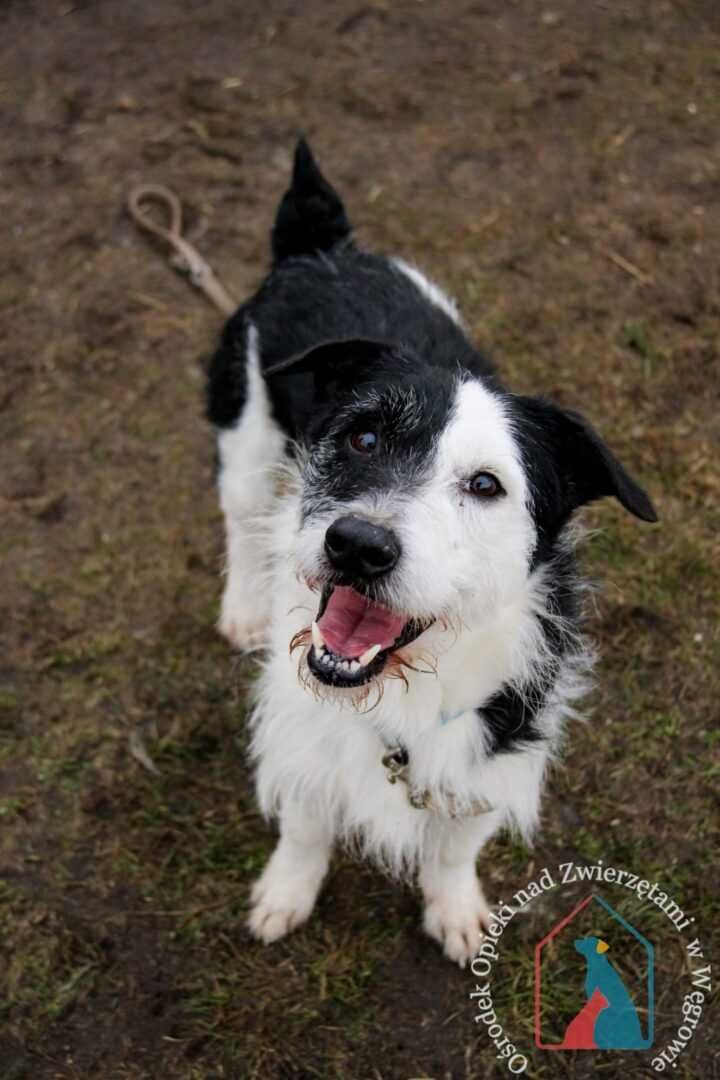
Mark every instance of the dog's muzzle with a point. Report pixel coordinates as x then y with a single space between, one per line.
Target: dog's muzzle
354 636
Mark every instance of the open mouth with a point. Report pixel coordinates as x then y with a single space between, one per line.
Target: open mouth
353 637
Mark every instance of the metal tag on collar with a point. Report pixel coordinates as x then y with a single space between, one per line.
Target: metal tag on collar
420 800
396 762
450 807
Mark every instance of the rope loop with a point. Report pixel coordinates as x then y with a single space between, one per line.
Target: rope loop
184 258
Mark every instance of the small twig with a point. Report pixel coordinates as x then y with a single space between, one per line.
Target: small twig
189 916
148 301
621 137
214 906
627 266
139 752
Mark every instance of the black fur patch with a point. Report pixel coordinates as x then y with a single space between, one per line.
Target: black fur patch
405 409
511 715
311 216
510 718
226 387
323 289
347 294
567 465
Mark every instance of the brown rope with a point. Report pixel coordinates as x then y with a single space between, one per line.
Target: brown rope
184 258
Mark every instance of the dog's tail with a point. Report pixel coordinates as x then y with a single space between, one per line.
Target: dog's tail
311 216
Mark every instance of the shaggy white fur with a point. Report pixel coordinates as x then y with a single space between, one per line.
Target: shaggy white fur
318 750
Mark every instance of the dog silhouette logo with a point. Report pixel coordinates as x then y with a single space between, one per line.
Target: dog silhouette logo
594 991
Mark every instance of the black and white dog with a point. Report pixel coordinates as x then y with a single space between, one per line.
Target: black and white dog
399 540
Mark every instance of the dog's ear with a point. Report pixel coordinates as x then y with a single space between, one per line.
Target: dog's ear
570 465
304 386
333 363
311 216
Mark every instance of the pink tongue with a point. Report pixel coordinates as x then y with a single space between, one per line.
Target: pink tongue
351 624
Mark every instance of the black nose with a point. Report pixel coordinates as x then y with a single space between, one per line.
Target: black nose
360 549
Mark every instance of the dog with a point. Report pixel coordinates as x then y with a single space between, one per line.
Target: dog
400 544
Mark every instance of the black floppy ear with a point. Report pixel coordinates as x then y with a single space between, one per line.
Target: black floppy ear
311 216
332 361
306 385
597 472
570 465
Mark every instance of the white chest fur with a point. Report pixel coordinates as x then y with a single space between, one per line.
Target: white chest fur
325 754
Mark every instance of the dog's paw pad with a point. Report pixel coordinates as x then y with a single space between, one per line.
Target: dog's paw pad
244 617
247 635
268 923
458 922
275 914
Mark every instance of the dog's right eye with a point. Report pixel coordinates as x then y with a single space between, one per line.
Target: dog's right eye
363 442
485 485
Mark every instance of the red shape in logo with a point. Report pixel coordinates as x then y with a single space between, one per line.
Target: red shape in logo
580 1032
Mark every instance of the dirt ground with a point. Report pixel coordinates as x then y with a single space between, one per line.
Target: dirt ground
557 166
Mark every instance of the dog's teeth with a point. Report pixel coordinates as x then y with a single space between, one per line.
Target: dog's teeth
317 638
355 665
369 655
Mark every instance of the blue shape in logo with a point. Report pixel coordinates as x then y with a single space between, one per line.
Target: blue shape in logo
617 1026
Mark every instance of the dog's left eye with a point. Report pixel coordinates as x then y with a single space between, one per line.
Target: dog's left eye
485 485
363 442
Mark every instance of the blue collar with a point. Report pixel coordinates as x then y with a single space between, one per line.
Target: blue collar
445 717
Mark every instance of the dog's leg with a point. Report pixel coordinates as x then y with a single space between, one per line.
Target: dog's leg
249 453
285 894
456 912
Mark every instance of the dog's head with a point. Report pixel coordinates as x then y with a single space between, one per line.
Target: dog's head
429 498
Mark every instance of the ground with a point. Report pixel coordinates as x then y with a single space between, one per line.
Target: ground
554 165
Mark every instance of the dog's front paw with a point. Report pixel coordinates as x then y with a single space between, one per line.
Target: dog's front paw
242 623
458 919
280 903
